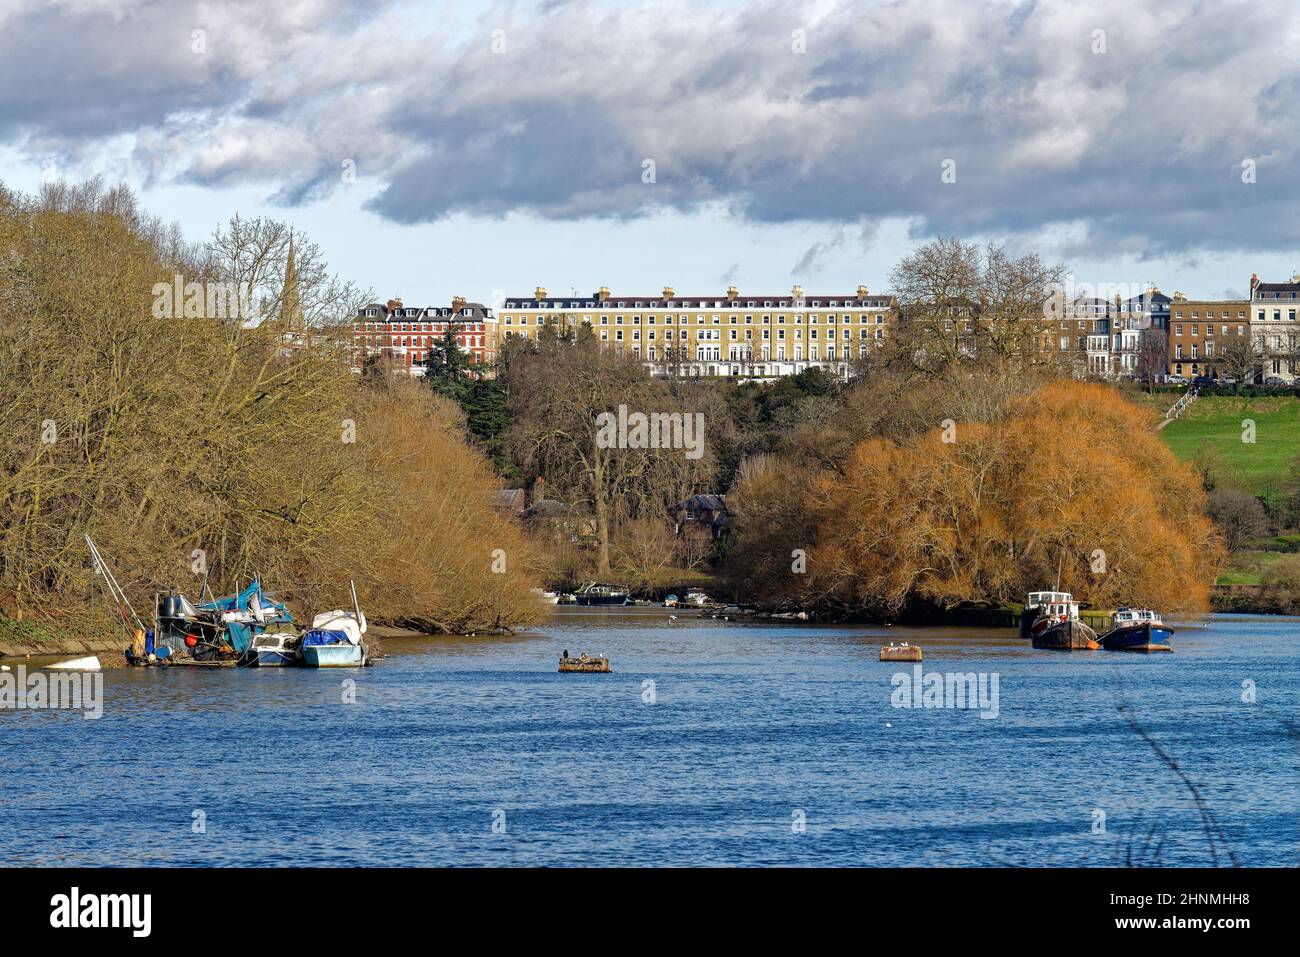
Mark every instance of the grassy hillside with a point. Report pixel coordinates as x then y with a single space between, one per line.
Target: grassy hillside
1215 422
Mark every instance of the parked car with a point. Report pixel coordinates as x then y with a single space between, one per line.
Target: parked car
1275 380
1175 380
1202 381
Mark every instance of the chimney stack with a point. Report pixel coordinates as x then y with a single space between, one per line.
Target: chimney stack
534 487
862 292
797 291
539 292
732 293
393 305
668 292
603 294
457 303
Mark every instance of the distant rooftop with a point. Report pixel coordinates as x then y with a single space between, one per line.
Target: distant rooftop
784 301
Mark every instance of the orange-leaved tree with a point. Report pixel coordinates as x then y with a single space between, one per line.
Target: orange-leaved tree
1071 487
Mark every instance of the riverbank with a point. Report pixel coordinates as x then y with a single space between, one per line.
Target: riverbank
29 639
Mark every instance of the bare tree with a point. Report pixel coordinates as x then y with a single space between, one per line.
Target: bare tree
254 254
961 303
1236 357
556 402
1152 356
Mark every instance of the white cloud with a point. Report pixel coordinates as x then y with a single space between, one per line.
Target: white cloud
1141 143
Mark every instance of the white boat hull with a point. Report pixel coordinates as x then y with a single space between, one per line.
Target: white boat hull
76 664
333 656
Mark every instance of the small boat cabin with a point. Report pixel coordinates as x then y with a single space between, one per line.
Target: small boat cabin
1134 616
1053 604
1039 598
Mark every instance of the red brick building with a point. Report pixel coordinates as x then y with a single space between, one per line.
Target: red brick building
404 335
1198 330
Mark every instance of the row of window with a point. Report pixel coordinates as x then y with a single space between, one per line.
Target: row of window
676 304
716 334
416 326
413 313
419 342
684 319
1209 329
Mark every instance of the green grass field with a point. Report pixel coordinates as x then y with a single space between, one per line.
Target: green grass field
1216 422
1248 567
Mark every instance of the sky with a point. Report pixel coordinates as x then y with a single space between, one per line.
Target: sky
485 148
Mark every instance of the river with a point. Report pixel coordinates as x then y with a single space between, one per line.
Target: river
711 743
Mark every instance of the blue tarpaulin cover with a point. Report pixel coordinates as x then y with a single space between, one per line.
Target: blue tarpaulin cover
241 634
320 636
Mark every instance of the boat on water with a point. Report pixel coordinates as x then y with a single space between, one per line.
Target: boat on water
1054 623
273 649
904 651
599 593
584 662
1034 602
87 663
249 628
1137 629
336 638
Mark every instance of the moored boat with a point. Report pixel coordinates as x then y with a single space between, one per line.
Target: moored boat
584 662
1034 603
697 598
335 639
273 650
1056 625
598 593
900 652
88 663
1137 629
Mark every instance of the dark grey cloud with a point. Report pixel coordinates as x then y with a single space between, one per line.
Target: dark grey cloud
1126 122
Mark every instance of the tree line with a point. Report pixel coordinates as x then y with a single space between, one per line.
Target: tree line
211 447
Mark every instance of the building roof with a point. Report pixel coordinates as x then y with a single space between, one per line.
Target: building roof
1157 298
512 498
1276 290
703 501
477 313
785 301
550 508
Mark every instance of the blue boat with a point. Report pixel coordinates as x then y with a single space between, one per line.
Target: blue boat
1137 629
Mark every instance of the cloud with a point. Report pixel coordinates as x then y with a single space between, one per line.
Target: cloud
814 257
554 110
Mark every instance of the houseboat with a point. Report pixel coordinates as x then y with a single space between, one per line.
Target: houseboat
1055 623
1137 629
1034 603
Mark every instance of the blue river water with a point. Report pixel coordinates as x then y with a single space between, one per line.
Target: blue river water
712 743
